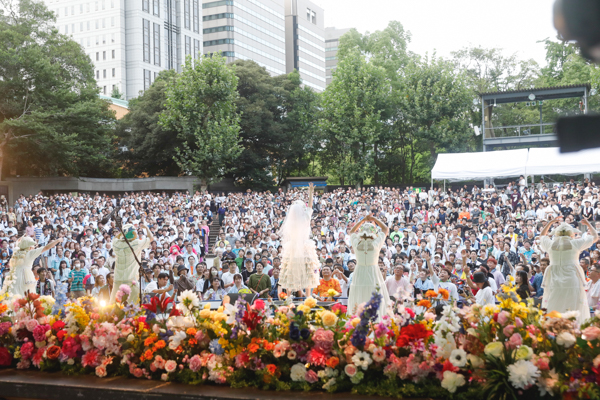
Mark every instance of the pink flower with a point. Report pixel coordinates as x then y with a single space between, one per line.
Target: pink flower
31 324
159 362
350 370
590 333
508 330
39 332
259 305
125 289
170 366
195 363
27 350
518 322
91 358
323 340
515 341
137 372
291 355
164 377
38 357
101 371
503 317
378 354
311 376
317 357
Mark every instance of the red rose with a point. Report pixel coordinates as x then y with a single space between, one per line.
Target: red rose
5 357
57 326
61 334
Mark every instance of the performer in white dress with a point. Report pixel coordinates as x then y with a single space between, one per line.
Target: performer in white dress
564 279
299 260
366 243
21 278
126 267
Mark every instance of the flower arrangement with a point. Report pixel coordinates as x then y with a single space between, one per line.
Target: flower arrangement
510 350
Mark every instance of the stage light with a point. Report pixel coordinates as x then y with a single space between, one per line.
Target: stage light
102 303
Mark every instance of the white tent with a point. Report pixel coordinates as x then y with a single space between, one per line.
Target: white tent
549 161
478 166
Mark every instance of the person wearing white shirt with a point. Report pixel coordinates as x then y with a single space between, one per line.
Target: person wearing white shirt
443 282
397 284
593 286
485 294
228 277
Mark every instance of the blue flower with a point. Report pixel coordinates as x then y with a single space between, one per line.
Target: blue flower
304 333
294 332
368 315
215 347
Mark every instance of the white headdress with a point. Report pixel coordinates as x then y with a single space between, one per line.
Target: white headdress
368 229
296 226
564 229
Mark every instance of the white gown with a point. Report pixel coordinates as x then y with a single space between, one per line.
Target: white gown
22 278
367 276
564 280
127 269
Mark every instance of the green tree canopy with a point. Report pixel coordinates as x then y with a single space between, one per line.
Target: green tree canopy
51 119
201 108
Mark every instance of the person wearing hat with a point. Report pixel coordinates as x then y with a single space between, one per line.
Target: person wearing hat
126 266
184 282
564 280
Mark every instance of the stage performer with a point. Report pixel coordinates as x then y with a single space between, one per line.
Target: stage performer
126 267
21 278
564 279
367 242
299 260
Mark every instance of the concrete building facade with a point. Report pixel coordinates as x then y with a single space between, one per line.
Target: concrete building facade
131 41
246 30
305 43
332 41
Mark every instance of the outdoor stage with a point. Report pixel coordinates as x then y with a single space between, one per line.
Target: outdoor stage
15 384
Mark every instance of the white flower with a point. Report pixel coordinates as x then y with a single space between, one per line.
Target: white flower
175 340
522 374
230 311
571 314
565 339
329 384
362 359
445 345
189 299
298 372
452 381
476 362
458 358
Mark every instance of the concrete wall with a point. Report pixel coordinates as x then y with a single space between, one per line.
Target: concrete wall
29 186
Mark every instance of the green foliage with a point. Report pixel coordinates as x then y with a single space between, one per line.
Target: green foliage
50 113
200 107
151 147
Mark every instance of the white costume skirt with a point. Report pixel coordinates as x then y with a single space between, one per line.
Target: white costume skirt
365 280
299 266
564 291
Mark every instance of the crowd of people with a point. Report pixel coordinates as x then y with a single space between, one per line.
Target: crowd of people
468 241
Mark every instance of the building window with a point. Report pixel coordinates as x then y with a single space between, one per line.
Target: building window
186 14
97 24
81 8
97 74
196 49
146 6
104 89
103 4
112 37
188 46
104 22
88 25
112 21
104 73
217 3
104 55
217 16
308 14
156 4
114 89
114 52
314 17
97 56
66 29
97 40
147 79
146 34
103 39
114 72
96 6
81 27
217 42
196 16
157 44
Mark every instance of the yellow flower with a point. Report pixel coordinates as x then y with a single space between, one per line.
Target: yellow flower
554 314
329 319
205 313
490 309
310 302
355 322
223 342
304 308
207 306
524 353
494 349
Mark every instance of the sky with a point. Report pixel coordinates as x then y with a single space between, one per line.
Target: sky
448 25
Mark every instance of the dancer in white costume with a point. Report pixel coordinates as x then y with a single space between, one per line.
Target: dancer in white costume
366 243
564 279
299 260
21 278
127 269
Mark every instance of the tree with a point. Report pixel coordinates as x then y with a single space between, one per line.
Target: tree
277 127
151 148
116 93
201 108
51 119
352 123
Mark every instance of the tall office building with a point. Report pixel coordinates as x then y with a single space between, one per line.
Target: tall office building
304 42
131 41
246 30
332 41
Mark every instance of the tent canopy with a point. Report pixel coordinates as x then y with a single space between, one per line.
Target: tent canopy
549 161
482 165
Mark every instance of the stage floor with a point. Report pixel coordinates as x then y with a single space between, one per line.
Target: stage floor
16 384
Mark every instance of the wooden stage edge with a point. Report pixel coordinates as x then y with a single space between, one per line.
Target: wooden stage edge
16 384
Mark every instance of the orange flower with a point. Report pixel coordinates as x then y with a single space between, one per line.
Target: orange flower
148 354
268 346
192 342
253 347
272 368
149 340
431 293
160 344
179 350
333 362
424 303
445 294
53 352
3 308
191 331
